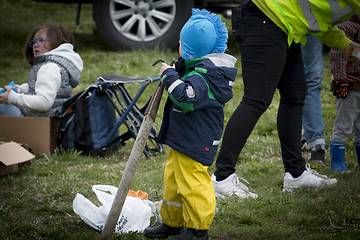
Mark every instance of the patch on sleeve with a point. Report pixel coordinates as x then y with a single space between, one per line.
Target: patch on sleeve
190 92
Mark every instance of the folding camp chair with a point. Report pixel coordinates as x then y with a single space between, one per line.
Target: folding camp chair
127 110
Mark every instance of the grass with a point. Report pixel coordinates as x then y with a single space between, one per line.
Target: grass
36 202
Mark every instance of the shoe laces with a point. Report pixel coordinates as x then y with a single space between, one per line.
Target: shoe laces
240 184
314 172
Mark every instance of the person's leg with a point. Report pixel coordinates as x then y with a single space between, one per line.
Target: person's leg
313 122
198 201
347 113
263 48
171 208
10 110
312 113
292 89
357 128
196 191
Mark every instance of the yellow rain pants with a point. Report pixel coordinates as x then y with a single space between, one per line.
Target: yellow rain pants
189 197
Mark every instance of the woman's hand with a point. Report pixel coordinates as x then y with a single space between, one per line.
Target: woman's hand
4 97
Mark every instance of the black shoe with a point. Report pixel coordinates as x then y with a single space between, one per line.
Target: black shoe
317 154
190 233
162 231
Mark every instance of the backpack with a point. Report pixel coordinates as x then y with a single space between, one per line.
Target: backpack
86 121
90 121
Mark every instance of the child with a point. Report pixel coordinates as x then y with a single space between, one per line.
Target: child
55 72
198 87
346 88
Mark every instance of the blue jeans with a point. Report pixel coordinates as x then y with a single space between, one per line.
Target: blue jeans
10 110
313 122
268 63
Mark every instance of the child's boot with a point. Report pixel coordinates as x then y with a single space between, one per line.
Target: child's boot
190 233
357 148
162 231
337 153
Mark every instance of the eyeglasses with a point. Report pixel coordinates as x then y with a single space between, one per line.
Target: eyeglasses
39 41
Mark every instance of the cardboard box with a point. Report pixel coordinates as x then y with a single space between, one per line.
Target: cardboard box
38 133
11 155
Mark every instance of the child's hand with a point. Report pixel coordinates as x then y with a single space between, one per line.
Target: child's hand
4 97
164 66
341 88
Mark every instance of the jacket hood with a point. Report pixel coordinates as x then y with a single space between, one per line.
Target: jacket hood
66 50
65 56
220 75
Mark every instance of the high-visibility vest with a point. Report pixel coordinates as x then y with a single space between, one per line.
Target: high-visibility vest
302 17
340 11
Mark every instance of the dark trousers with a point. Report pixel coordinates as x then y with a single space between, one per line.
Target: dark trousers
268 63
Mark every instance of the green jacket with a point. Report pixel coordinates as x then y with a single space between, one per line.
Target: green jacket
299 18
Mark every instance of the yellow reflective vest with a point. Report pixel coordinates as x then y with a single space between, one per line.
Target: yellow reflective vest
299 18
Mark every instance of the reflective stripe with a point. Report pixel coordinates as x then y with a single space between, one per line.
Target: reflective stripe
231 83
172 203
310 17
174 85
337 12
216 142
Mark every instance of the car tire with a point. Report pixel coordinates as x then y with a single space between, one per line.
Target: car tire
131 24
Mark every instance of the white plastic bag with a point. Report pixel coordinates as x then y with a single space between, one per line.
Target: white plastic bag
134 217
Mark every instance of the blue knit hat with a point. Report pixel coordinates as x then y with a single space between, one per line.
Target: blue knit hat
202 34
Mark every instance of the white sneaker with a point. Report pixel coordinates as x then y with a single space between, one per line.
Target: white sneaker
308 179
231 186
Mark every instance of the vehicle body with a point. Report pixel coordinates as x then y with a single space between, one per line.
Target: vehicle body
128 24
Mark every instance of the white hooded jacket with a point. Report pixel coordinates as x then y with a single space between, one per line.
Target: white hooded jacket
48 81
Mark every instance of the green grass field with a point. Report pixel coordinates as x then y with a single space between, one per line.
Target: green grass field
36 202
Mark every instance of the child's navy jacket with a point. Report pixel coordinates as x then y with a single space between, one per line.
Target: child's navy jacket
193 119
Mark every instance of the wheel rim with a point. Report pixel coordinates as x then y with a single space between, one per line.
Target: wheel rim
142 20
